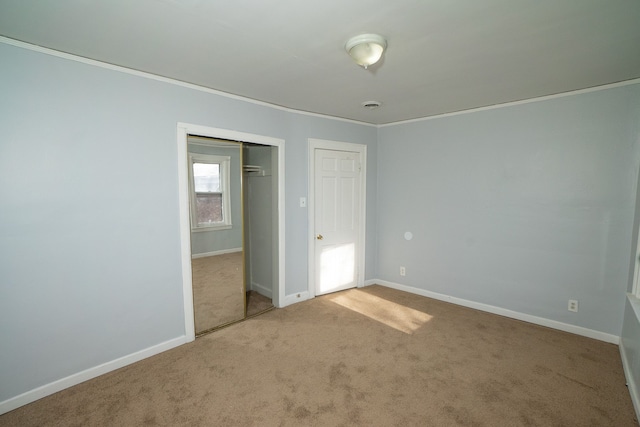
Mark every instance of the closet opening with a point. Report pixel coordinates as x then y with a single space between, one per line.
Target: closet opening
232 262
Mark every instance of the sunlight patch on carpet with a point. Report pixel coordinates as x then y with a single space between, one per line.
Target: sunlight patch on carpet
397 316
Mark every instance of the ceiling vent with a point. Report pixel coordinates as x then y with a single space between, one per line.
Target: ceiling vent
371 105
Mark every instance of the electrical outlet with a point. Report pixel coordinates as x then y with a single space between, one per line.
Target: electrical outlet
573 305
403 272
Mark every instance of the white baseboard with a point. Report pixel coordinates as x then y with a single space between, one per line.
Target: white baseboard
294 298
578 330
262 290
631 384
54 387
214 253
71 380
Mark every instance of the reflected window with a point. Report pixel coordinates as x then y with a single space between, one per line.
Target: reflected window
210 204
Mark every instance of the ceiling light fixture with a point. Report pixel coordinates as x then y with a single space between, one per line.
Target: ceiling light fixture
366 49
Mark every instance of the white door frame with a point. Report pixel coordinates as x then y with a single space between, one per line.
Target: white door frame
635 290
361 149
184 130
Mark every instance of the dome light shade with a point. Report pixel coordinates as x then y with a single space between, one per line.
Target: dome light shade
366 49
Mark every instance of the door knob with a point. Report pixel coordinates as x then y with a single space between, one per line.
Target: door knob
319 237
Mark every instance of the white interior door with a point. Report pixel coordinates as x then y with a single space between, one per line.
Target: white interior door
337 205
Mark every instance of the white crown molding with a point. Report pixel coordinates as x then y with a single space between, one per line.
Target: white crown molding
143 74
514 103
96 63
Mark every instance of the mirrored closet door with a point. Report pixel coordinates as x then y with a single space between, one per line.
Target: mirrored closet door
217 263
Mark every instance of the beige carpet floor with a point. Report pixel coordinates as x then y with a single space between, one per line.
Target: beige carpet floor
257 303
363 357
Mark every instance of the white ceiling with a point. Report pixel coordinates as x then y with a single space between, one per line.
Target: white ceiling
443 55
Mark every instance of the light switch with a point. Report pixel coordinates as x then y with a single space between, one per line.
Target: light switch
303 202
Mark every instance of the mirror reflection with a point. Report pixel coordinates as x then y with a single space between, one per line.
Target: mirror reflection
217 263
233 227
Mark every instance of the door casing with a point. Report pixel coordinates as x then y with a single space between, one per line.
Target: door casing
183 131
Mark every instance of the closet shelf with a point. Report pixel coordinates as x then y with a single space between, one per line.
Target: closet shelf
254 170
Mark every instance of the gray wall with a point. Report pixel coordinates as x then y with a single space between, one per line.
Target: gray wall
219 240
90 266
521 207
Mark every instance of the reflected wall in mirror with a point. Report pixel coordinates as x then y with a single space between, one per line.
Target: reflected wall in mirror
215 196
